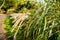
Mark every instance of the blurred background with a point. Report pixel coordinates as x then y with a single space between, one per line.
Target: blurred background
30 19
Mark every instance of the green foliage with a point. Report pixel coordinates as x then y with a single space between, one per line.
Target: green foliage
18 5
8 4
8 27
1 1
42 24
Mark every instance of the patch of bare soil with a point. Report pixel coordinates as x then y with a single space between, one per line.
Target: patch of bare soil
2 31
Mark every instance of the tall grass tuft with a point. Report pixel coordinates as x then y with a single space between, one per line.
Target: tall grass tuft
44 24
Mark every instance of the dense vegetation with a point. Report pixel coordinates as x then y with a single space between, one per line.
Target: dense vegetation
42 24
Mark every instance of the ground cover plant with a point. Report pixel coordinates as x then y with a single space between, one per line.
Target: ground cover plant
43 22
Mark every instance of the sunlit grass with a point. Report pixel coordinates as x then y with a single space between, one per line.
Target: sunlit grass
43 24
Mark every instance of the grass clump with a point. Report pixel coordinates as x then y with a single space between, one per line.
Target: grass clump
43 24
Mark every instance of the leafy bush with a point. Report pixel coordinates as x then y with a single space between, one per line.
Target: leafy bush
16 6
